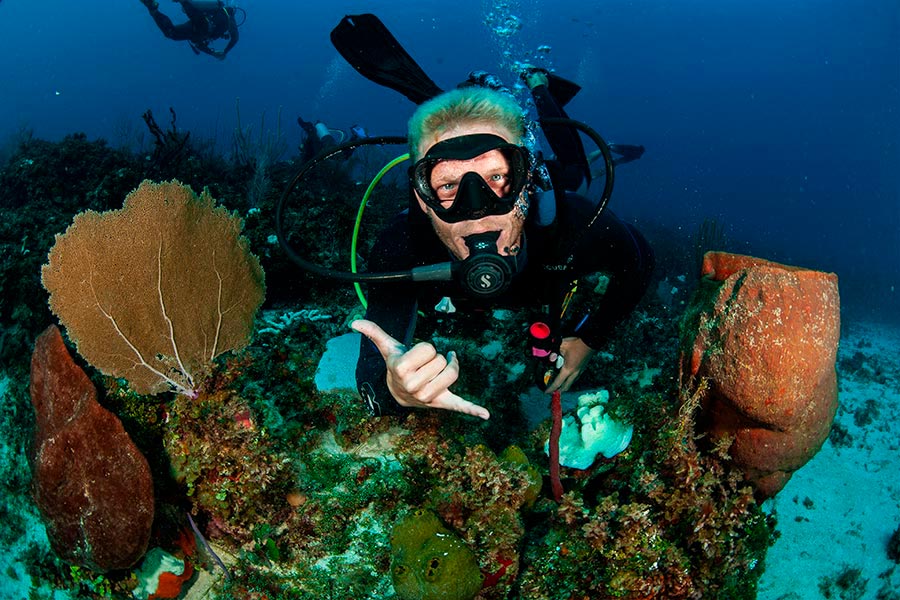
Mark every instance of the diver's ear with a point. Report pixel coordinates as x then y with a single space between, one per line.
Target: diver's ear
421 202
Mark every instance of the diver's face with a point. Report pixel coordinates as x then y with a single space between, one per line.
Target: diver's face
492 166
494 169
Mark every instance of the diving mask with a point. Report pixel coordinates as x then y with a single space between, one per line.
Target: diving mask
468 196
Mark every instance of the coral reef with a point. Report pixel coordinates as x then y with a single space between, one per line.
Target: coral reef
230 472
298 491
90 173
667 522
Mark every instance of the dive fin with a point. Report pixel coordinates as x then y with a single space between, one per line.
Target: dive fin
371 49
561 89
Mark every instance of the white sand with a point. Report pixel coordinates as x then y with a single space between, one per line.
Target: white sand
839 510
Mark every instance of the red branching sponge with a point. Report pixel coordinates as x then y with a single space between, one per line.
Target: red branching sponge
555 430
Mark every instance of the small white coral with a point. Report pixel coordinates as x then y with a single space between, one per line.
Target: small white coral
591 432
275 324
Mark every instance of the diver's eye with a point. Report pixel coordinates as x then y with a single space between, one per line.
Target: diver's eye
446 191
499 183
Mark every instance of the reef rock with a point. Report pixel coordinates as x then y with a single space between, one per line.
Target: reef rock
764 336
91 483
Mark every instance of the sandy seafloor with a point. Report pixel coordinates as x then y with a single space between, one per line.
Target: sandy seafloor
837 513
835 516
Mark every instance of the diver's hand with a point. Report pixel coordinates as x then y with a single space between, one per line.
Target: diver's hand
576 355
419 377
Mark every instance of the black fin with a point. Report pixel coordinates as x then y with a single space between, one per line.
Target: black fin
562 89
371 49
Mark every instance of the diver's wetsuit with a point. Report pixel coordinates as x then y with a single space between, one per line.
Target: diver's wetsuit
610 246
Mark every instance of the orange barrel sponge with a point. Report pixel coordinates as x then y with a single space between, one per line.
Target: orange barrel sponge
763 337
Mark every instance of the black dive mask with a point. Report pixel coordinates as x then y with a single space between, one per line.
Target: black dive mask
472 197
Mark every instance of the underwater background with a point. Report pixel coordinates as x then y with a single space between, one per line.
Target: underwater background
771 127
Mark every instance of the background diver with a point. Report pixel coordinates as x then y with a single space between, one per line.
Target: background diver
317 136
208 21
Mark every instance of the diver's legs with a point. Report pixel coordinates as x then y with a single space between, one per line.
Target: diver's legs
174 32
571 163
185 31
193 13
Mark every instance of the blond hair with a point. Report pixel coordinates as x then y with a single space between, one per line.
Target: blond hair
470 105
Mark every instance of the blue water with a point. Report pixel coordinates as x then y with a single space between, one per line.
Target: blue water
780 119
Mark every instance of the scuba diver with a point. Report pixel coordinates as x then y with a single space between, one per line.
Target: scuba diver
489 225
208 21
317 136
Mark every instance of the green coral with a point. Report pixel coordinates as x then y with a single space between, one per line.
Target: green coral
429 562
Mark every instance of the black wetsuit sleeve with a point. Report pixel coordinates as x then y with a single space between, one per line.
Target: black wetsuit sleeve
393 307
619 251
396 314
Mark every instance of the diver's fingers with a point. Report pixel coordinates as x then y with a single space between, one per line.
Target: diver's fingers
387 345
554 385
562 382
435 393
450 401
439 383
419 374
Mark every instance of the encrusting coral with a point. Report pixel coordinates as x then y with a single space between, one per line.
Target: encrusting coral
231 472
667 522
155 291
